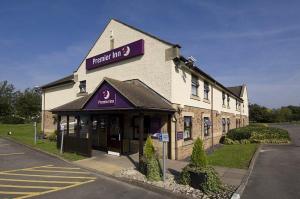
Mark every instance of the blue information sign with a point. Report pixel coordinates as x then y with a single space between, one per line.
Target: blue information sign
164 137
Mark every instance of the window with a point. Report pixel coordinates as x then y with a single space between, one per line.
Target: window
206 90
187 134
228 124
195 85
223 98
82 86
207 124
136 129
223 125
228 101
236 104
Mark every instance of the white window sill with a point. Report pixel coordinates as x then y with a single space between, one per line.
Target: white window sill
206 101
195 97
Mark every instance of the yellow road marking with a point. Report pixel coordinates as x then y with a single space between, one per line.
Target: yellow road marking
29 187
39 181
54 190
17 192
23 169
7 154
52 167
46 176
39 170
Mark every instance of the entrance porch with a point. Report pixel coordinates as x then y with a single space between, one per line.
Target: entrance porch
116 118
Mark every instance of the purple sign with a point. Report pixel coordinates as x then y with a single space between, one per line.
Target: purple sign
124 52
179 135
107 97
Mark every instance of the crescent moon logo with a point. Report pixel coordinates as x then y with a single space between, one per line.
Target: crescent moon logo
106 94
126 51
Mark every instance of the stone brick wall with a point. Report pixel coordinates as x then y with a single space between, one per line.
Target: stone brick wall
50 125
184 147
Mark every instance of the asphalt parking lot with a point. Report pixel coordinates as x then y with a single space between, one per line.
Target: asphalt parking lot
276 172
27 173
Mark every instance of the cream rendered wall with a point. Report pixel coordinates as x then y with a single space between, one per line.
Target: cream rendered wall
58 96
181 89
181 92
151 68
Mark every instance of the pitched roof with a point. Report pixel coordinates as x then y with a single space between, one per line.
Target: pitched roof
64 80
237 90
135 91
148 34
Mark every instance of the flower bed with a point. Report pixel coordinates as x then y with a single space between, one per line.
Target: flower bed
257 134
172 184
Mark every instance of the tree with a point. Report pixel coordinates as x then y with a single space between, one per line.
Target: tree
28 104
198 158
7 95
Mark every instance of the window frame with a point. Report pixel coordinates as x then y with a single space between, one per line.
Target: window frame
206 90
82 84
194 84
185 128
206 127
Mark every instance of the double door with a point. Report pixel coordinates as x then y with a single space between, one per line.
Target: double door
107 133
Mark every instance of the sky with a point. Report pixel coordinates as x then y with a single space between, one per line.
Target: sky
236 42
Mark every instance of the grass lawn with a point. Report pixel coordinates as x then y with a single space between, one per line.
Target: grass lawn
234 156
24 133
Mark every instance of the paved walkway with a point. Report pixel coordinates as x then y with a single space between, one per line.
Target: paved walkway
276 172
108 164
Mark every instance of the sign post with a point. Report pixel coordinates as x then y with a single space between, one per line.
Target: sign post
164 138
62 129
34 124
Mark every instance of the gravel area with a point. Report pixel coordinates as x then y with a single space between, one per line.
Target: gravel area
172 184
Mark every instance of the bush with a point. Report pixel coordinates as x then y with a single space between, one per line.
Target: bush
52 136
245 141
12 120
198 158
258 134
207 178
150 164
197 174
228 141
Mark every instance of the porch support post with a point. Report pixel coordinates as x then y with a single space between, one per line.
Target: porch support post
58 131
78 127
141 138
68 127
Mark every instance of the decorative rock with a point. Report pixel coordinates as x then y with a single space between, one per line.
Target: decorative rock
172 185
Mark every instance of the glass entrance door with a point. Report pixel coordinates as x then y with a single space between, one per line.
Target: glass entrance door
115 135
99 135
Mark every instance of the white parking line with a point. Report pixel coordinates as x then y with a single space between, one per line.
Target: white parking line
8 154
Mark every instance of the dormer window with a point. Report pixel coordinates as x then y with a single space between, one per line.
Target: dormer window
82 86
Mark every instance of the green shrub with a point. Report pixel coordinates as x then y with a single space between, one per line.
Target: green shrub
210 180
12 120
198 158
244 141
52 136
197 174
259 134
228 141
150 164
